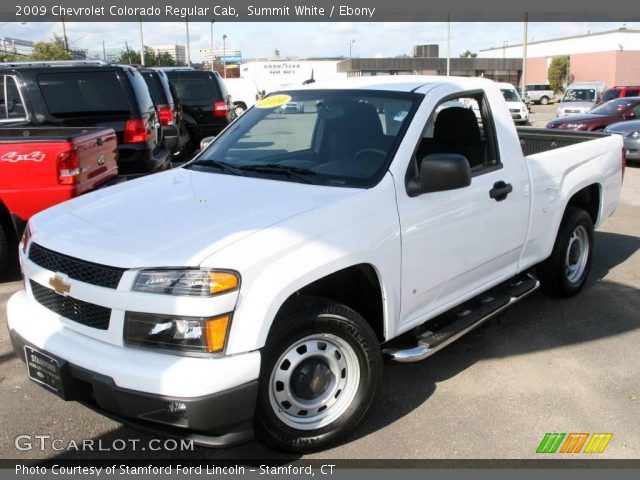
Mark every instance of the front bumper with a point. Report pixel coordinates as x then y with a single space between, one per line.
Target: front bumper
632 148
103 377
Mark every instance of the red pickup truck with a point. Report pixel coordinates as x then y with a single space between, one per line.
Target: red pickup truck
40 167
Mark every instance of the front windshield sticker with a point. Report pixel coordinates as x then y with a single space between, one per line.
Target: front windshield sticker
273 101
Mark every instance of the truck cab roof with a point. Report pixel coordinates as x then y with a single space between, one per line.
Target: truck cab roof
399 83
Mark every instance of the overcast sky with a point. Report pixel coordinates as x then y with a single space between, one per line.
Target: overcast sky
258 40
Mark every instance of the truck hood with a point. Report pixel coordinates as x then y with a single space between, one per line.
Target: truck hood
585 118
176 218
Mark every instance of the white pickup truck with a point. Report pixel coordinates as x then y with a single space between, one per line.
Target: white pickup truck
258 288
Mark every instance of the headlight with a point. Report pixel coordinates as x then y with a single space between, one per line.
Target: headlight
180 333
576 126
194 282
635 135
26 236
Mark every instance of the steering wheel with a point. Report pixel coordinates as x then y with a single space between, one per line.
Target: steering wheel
376 151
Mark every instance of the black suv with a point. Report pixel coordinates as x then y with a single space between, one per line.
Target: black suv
174 130
87 94
205 102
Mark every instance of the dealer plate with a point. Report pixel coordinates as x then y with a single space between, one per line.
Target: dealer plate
44 370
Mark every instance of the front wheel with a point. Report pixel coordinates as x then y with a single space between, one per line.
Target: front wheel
544 100
320 371
565 272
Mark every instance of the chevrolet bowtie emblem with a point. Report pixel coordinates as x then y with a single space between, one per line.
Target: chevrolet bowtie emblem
59 285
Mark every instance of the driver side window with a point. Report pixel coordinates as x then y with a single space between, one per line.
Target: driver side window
462 125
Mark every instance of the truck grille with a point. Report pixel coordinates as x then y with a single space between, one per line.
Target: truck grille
88 272
85 313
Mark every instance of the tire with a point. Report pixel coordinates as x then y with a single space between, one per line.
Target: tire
544 100
565 272
238 110
328 393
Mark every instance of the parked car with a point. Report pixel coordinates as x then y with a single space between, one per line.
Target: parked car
630 131
174 131
517 107
88 94
306 251
206 104
41 167
619 92
580 98
244 93
541 93
600 117
292 107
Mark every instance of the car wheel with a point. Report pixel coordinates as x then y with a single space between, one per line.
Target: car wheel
565 272
238 110
319 375
544 100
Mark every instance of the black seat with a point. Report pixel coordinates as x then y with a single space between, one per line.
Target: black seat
456 130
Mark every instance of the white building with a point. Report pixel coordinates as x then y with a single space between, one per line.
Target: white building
177 52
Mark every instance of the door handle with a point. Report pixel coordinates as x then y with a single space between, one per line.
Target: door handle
500 191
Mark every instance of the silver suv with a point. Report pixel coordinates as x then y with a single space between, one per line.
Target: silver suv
541 93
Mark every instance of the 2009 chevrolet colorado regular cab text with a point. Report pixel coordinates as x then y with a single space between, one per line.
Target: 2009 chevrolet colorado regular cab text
258 287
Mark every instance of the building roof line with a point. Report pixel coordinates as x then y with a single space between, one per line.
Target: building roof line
606 32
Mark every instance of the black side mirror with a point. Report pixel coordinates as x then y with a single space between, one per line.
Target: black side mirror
629 116
440 172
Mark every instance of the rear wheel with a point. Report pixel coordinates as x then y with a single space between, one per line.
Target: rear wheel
544 100
320 371
565 272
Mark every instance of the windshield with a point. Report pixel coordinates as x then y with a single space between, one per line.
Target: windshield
326 137
510 95
611 94
613 107
580 95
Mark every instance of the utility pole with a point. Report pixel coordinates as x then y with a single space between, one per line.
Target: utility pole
350 44
448 44
104 52
64 34
212 68
141 43
188 44
524 55
126 47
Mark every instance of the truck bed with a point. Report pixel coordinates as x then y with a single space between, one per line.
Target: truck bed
44 134
537 140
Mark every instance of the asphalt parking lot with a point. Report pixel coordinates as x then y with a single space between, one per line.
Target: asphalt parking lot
544 366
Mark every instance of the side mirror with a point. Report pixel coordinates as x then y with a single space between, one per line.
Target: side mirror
629 116
204 143
440 172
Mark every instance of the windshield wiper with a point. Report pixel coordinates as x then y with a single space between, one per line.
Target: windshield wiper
217 164
294 172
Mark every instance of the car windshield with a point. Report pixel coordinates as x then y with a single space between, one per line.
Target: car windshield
613 107
340 138
611 94
579 95
510 95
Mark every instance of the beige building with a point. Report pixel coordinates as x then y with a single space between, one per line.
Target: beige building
177 52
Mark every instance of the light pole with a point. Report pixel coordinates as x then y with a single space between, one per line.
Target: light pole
212 22
64 34
350 44
224 54
448 44
141 43
188 43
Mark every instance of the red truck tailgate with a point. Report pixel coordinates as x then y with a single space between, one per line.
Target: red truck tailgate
40 167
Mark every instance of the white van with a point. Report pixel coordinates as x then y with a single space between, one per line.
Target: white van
244 93
580 98
517 108
541 93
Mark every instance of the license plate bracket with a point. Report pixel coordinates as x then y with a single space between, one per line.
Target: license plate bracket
45 370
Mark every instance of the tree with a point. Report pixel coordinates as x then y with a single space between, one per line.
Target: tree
151 58
558 73
52 50
468 54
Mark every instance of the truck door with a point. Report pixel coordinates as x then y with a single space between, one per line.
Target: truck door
458 243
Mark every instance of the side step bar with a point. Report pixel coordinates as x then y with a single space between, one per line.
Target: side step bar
469 316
